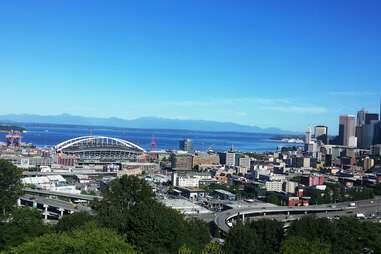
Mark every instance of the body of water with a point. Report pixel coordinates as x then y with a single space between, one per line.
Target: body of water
166 139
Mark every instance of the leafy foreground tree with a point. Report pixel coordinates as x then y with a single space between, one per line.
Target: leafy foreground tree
87 239
344 236
312 228
300 245
10 187
22 224
72 221
128 207
184 250
257 237
212 248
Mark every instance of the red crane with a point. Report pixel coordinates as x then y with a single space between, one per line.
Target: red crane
153 143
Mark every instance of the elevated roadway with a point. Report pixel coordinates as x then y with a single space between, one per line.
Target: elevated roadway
52 209
225 219
71 173
62 194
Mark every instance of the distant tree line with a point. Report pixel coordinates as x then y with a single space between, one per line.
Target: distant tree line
6 128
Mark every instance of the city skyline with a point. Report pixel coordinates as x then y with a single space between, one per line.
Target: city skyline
287 65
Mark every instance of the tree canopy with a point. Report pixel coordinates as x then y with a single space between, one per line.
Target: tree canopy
263 236
10 187
129 207
72 221
87 239
23 224
300 245
309 235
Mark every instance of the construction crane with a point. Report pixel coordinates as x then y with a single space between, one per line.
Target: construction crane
153 143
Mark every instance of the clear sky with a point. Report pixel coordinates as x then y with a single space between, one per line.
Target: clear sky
286 64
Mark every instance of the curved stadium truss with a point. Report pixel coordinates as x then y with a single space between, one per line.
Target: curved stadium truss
99 148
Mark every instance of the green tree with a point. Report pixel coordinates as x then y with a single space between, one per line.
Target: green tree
240 240
72 221
299 245
359 235
257 237
197 234
313 228
270 234
84 240
10 187
129 208
212 248
273 199
184 250
23 224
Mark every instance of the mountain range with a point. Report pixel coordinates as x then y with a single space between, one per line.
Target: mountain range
142 122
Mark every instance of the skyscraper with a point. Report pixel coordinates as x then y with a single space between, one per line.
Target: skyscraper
370 117
321 134
361 117
307 138
186 145
347 130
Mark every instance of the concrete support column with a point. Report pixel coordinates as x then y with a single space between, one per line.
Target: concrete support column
34 204
243 218
45 213
61 212
18 202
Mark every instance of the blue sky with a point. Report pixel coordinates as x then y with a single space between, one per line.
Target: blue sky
286 64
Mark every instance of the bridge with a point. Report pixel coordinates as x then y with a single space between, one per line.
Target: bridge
62 194
69 173
226 219
99 147
51 208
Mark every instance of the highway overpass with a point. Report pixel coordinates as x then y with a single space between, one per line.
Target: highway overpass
69 173
51 208
226 219
62 194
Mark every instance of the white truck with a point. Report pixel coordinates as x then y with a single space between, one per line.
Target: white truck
360 216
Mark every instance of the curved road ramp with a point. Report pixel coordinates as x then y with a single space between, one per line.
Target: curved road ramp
226 219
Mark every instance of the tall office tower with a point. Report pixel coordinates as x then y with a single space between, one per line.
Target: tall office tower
369 133
377 133
360 127
370 117
346 130
361 117
321 134
186 145
360 136
307 138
